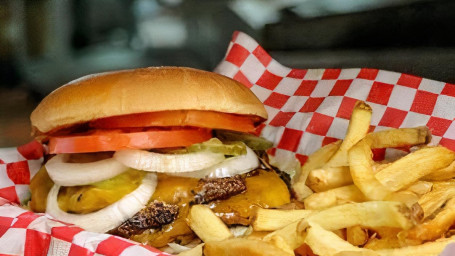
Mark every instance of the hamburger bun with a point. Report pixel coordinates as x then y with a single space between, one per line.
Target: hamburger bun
143 90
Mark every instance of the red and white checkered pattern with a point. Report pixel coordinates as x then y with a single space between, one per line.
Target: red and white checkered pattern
17 166
307 108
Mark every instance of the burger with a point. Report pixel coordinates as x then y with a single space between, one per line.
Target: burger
129 152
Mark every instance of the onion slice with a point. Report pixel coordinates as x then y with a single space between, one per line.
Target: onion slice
77 174
109 217
167 163
228 168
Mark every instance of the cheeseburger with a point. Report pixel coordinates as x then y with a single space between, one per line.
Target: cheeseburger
131 151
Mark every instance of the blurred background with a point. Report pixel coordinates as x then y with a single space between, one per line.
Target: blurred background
46 43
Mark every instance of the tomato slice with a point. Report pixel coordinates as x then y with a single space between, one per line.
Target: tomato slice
102 140
196 118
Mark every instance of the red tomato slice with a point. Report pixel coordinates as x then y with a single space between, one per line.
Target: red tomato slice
196 118
101 140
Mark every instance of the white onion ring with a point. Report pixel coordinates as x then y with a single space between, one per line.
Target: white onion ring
109 217
77 174
167 163
228 168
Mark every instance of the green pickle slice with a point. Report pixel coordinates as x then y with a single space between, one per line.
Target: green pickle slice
214 145
252 141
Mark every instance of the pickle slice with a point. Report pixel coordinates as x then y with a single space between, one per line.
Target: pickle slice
252 141
214 145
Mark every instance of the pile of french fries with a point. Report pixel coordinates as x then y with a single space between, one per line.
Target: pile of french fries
404 205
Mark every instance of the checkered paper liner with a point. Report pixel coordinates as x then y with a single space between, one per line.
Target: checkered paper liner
307 108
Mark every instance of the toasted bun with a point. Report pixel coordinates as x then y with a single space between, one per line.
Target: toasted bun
143 90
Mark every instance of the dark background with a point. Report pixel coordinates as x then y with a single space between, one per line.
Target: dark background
46 43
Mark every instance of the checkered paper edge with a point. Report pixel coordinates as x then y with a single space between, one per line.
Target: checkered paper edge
26 233
309 108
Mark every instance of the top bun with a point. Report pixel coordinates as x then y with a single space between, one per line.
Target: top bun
143 90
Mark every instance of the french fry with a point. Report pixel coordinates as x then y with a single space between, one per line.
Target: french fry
435 228
409 198
332 197
445 173
411 195
413 166
281 243
433 200
287 234
207 225
242 246
258 235
340 232
432 248
360 161
301 191
357 129
384 238
367 214
273 219
320 180
420 187
383 243
324 242
377 167
393 138
356 235
304 250
316 160
195 251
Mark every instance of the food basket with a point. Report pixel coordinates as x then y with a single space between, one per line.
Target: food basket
308 108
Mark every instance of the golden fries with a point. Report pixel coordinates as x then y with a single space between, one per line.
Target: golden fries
433 248
383 238
414 188
314 161
402 137
332 197
356 235
436 227
360 161
241 246
441 193
442 174
273 219
367 214
324 242
287 236
332 177
415 165
301 191
420 187
207 225
357 129
409 198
